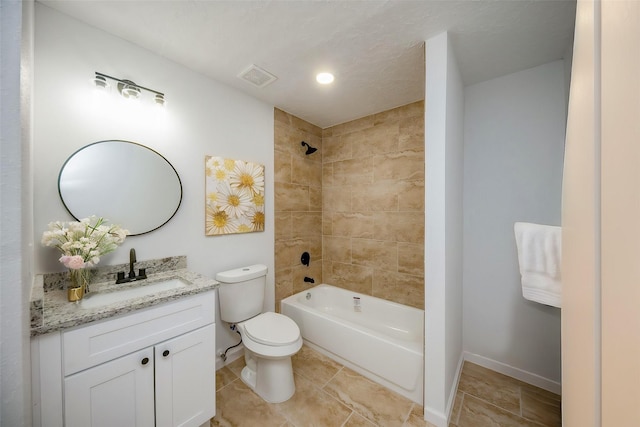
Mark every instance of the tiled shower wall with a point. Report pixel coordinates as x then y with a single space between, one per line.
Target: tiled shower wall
366 232
298 204
373 205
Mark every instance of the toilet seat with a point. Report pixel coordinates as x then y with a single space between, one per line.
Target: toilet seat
272 329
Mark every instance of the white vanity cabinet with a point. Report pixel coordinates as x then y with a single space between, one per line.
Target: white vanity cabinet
152 367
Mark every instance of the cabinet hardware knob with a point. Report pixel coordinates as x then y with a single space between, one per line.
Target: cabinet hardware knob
165 353
145 360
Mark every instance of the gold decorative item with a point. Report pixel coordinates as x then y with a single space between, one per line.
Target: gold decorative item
78 284
234 196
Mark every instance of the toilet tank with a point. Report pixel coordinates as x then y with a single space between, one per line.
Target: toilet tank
241 292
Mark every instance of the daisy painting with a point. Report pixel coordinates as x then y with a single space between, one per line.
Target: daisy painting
234 196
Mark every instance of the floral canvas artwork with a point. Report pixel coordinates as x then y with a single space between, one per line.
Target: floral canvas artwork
234 196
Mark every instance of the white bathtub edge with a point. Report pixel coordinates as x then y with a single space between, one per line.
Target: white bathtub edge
517 373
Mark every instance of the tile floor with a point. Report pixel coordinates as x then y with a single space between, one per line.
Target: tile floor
329 394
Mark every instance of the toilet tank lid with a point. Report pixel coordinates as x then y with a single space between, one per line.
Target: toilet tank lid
242 274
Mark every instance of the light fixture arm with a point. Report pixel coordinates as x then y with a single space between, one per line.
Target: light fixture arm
128 83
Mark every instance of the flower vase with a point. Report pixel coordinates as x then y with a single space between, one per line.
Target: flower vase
78 284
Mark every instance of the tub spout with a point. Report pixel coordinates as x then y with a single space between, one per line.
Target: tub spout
309 280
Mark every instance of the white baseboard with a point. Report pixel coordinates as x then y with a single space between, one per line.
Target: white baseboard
436 418
517 373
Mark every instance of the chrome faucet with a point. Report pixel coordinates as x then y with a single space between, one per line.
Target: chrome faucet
132 261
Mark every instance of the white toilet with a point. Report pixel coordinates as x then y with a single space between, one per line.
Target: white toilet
270 339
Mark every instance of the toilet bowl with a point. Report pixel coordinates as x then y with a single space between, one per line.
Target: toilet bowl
270 339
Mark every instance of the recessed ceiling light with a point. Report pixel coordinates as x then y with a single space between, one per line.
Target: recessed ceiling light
324 78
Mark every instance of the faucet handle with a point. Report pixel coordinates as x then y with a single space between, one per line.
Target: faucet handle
142 273
120 278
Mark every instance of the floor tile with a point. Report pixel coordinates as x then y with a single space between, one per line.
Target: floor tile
310 406
478 413
224 376
328 394
376 403
541 406
238 406
490 386
416 418
314 366
236 366
357 420
455 412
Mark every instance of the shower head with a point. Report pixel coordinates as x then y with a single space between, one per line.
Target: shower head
310 149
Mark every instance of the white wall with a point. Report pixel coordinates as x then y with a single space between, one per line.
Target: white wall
514 142
16 19
444 105
202 118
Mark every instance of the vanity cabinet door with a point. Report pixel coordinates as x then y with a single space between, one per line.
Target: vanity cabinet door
185 379
115 393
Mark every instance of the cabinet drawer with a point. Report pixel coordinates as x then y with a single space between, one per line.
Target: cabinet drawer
100 342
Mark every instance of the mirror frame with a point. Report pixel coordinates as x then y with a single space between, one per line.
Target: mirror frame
127 142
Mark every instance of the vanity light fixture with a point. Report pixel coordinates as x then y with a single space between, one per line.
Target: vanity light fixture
127 88
324 78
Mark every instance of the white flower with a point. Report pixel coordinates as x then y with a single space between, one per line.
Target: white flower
248 176
234 202
83 242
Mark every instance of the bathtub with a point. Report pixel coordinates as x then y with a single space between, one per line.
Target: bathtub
380 339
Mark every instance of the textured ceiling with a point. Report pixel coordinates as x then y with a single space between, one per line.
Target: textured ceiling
375 48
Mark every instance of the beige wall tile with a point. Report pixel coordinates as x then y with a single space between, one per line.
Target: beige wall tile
314 271
327 174
315 198
336 249
411 196
403 165
306 224
327 223
399 226
411 131
281 116
353 224
411 258
401 288
375 253
291 197
381 196
336 198
353 126
333 191
283 283
282 166
335 149
284 251
301 173
379 139
355 171
283 225
348 276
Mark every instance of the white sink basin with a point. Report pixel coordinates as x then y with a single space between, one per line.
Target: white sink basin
106 298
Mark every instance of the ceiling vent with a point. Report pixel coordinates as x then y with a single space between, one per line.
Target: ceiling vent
257 76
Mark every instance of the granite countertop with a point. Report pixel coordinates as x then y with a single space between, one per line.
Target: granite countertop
51 311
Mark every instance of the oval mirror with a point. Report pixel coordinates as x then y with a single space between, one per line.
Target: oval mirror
122 181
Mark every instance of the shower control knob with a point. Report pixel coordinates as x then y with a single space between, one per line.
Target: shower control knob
165 353
145 361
